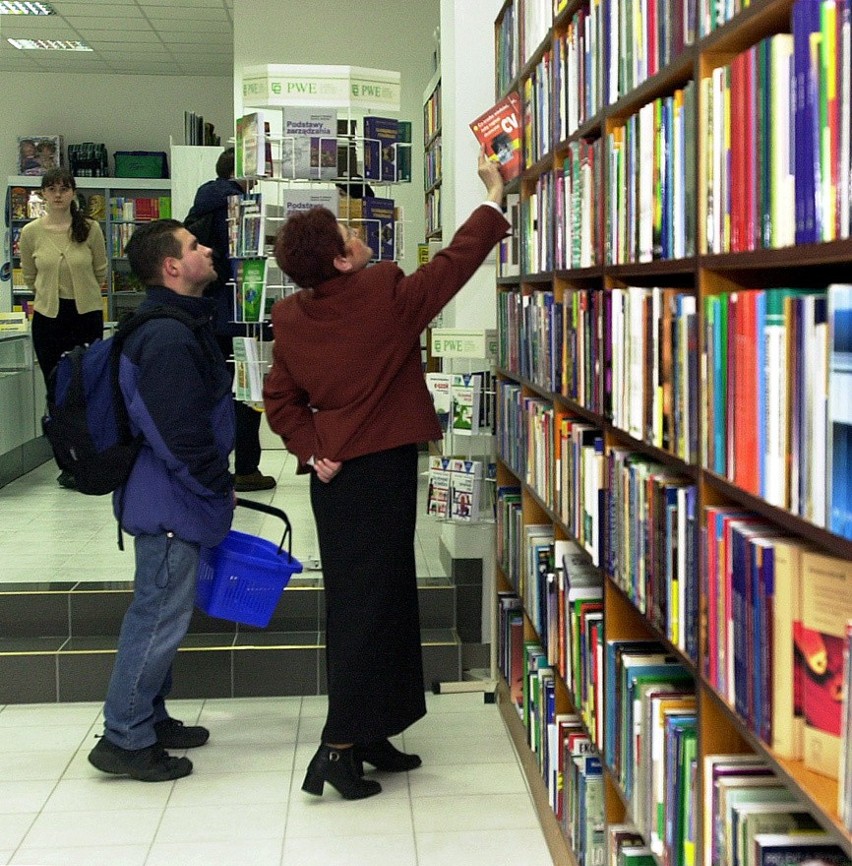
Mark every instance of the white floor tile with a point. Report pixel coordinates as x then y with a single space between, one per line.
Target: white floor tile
113 855
42 715
103 792
225 822
396 849
209 789
261 852
5 856
448 780
25 797
103 827
514 847
488 812
234 757
13 828
331 815
33 766
43 738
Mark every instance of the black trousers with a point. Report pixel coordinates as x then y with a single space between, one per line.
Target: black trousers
53 337
365 520
247 421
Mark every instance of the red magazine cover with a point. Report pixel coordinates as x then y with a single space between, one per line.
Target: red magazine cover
499 131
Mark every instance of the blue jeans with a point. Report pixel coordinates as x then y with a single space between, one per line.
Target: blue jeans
153 627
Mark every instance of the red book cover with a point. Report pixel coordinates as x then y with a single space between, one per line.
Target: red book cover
498 130
746 473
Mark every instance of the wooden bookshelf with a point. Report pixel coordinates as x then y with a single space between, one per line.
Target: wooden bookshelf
698 274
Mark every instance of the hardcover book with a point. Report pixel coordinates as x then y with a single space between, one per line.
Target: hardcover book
381 135
498 130
309 146
826 607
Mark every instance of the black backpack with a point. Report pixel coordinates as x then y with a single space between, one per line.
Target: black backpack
86 420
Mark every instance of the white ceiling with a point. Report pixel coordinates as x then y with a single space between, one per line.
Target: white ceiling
137 37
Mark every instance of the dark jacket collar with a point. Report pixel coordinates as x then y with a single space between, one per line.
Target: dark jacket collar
160 296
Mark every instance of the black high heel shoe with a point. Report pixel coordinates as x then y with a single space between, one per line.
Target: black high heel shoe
383 755
337 767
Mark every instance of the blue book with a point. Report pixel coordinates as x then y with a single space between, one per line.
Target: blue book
839 506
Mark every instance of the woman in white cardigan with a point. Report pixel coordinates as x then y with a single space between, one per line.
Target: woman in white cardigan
63 258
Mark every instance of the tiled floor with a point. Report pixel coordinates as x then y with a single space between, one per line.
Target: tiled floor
242 806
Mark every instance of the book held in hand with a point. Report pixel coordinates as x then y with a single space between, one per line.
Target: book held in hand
498 130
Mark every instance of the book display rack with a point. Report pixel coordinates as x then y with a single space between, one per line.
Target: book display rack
118 204
674 528
311 136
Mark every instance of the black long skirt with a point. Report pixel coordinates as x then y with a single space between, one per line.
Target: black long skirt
365 521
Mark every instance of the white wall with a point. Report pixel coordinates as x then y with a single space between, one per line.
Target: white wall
125 112
382 34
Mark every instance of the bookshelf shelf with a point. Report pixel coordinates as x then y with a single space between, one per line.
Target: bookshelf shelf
674 327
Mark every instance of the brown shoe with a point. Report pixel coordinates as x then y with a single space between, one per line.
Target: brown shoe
253 481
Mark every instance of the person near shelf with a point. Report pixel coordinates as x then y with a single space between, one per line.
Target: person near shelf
178 498
64 264
347 394
208 216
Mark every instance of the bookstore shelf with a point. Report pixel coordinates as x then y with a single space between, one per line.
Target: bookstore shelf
697 278
113 202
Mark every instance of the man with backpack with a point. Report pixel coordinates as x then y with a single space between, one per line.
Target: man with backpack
208 221
178 497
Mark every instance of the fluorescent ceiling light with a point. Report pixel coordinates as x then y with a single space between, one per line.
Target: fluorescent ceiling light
18 7
49 44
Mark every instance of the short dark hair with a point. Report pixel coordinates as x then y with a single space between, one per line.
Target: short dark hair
149 246
225 164
307 245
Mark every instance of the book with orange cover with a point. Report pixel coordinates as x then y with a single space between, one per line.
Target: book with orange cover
498 130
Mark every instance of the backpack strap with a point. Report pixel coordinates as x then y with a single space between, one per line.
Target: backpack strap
125 329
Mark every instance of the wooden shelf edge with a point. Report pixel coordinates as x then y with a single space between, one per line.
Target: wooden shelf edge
557 844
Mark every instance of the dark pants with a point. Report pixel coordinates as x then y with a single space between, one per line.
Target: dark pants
53 337
365 520
247 439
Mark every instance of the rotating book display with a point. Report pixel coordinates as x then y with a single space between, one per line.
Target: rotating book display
311 136
674 523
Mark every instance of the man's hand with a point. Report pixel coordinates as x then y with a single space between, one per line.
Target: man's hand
326 469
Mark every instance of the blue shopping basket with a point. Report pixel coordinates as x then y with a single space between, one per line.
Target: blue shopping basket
242 578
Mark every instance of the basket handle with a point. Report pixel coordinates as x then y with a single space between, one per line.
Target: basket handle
275 512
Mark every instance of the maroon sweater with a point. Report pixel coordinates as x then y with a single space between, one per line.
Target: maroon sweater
347 377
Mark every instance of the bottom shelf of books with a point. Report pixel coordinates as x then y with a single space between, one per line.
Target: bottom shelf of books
633 756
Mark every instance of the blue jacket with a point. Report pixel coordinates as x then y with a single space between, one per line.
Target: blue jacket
212 197
178 395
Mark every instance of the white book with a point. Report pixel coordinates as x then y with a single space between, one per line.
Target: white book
782 185
309 143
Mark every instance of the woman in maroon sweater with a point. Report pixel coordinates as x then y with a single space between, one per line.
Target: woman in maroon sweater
347 394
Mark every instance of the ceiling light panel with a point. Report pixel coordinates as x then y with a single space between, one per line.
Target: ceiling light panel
11 7
49 44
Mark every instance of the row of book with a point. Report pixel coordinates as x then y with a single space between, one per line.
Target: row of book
607 49
314 143
650 739
776 615
651 177
639 520
567 759
460 489
464 402
778 398
770 391
789 94
139 208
